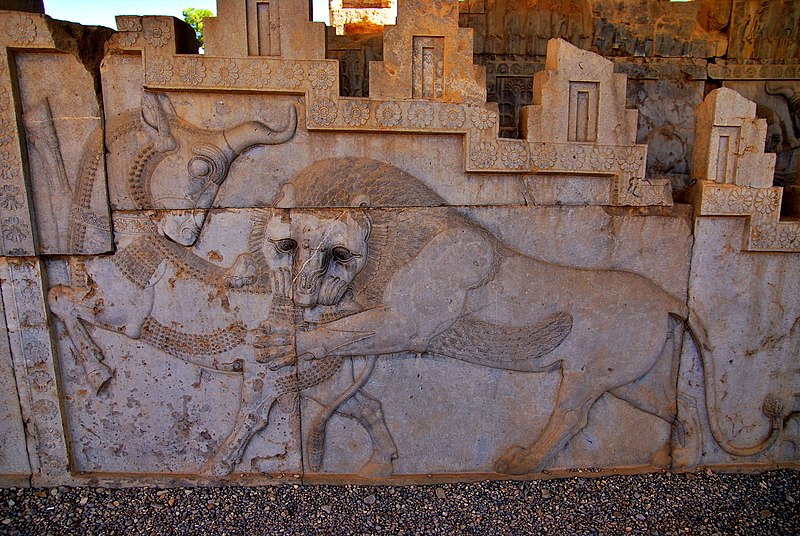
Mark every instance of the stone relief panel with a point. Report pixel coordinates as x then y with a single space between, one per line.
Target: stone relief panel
666 103
54 197
35 368
642 28
65 155
177 386
393 285
758 330
755 341
415 305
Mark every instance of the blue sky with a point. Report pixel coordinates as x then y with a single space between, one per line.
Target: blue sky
102 12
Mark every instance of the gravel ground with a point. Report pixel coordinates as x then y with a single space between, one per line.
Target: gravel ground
701 503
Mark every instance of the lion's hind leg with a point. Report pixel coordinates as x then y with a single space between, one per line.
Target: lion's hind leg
576 396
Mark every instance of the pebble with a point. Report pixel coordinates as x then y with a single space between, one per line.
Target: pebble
660 503
546 494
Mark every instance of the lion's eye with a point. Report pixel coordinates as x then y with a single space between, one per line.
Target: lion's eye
284 245
341 254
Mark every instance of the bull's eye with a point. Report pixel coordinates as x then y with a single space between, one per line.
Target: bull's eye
341 254
200 167
284 245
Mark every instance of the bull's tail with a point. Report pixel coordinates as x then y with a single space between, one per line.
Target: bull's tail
771 407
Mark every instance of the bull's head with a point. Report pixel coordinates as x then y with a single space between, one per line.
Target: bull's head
317 254
191 164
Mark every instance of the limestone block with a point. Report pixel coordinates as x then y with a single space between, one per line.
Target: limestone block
729 153
578 97
578 122
15 467
360 17
278 28
747 305
35 368
427 56
777 102
55 198
729 144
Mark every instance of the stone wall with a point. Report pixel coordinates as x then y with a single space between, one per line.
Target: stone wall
672 52
262 264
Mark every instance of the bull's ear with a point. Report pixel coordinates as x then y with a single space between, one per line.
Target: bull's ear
360 200
287 197
156 111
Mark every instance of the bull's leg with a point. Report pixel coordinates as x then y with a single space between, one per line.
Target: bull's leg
252 417
66 305
369 413
571 414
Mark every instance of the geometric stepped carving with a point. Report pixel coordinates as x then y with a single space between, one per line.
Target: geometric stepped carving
579 123
734 175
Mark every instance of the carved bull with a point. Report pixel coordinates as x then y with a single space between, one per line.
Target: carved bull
176 166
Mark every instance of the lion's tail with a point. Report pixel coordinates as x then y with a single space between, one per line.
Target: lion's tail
772 407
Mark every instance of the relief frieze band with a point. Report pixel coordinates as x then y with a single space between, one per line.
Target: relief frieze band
217 269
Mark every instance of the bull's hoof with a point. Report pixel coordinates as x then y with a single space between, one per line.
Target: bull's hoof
514 462
100 377
216 468
377 470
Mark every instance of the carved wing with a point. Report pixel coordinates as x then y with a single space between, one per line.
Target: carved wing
477 341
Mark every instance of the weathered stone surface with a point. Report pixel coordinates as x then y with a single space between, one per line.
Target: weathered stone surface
362 16
666 125
764 30
31 6
447 408
734 175
35 368
426 55
264 28
391 285
176 382
777 102
751 346
55 196
639 28
14 464
579 113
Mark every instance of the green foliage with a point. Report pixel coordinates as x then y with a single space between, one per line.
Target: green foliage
194 18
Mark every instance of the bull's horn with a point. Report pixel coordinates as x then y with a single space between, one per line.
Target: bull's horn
242 137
